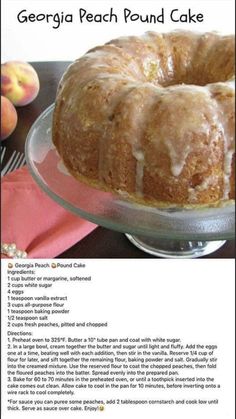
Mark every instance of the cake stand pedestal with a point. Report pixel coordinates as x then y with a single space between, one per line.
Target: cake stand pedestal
168 233
175 249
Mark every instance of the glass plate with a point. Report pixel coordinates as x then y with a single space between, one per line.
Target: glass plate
143 223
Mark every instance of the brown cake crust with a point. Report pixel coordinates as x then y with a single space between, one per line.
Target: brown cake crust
153 117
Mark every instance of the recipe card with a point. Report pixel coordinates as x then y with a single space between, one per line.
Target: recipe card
118 283
118 337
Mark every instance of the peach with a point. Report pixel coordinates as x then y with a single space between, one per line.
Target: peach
8 117
19 82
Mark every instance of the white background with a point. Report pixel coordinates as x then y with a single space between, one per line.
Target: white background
39 42
188 299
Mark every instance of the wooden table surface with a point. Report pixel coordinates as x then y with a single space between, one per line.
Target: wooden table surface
101 243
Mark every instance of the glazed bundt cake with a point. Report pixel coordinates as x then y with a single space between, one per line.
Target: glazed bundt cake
151 117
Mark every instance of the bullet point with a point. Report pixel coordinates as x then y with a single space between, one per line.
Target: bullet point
10 265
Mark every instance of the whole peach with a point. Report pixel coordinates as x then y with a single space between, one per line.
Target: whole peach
19 82
8 117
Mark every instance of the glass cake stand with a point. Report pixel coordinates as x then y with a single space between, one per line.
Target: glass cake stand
170 233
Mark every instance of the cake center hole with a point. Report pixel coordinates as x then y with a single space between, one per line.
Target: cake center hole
187 75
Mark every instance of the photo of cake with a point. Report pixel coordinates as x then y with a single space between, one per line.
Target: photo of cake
151 117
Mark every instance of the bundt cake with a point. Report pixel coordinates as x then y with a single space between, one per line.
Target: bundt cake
152 118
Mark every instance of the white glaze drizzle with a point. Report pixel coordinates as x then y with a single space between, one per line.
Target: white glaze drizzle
139 116
228 137
179 147
177 159
140 160
61 168
221 119
170 62
136 107
227 172
192 195
211 180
